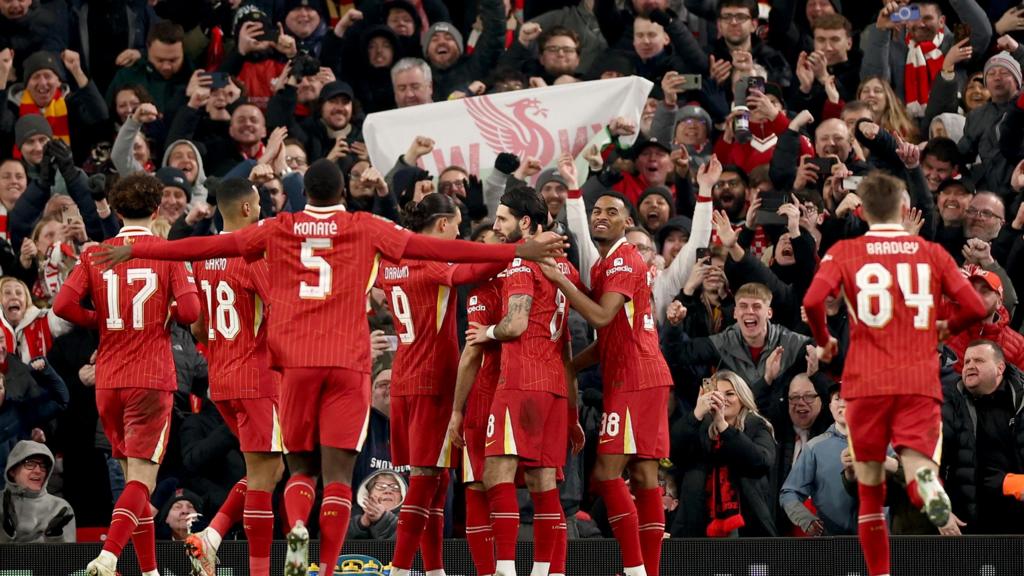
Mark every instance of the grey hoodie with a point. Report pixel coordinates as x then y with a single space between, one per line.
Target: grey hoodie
34 516
125 163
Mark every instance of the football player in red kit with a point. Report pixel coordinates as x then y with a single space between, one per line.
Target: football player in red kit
424 371
892 282
636 380
242 385
529 416
135 376
325 260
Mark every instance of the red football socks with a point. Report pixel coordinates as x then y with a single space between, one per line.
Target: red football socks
478 532
258 520
432 540
299 493
413 519
132 506
547 515
334 515
560 551
873 532
230 512
504 520
650 512
915 498
144 540
622 515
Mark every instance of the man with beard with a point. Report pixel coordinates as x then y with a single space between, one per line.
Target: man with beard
952 200
656 207
730 193
984 220
164 72
329 130
995 325
444 50
244 140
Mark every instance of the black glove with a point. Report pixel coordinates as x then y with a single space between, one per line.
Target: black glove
10 523
98 187
56 526
62 158
475 198
506 163
661 17
609 177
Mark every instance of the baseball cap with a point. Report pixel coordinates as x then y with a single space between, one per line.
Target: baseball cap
335 89
680 223
962 183
972 271
644 143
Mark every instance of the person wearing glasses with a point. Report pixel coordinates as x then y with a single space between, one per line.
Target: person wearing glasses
816 472
28 514
737 43
547 54
984 221
379 497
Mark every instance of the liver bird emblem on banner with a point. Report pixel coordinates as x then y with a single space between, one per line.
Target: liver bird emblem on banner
517 131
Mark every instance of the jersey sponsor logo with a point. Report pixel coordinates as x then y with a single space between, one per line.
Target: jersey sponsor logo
883 248
617 267
617 262
477 308
396 273
473 300
216 264
827 258
328 228
517 262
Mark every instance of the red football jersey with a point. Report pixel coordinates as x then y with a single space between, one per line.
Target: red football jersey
324 261
891 282
422 303
131 301
533 361
235 294
628 346
484 307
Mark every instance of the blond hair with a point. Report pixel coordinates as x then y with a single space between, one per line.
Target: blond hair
754 290
894 117
748 406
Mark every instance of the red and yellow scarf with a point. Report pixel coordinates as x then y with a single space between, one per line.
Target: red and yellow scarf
56 114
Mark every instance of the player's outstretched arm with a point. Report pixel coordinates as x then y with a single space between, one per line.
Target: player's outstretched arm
476 273
187 309
469 366
598 314
184 250
545 245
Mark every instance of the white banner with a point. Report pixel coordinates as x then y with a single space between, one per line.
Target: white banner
540 122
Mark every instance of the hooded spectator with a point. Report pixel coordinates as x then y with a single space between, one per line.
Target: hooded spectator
28 514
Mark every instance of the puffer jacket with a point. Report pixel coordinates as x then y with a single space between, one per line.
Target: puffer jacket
30 516
959 443
999 332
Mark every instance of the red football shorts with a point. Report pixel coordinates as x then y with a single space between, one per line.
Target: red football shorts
529 425
419 431
473 456
137 421
325 406
635 423
906 421
254 422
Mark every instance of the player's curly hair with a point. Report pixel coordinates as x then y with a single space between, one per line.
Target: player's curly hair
136 196
418 216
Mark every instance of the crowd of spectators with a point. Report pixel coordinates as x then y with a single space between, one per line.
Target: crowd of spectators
788 103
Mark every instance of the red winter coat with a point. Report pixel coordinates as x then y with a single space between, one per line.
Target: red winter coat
999 332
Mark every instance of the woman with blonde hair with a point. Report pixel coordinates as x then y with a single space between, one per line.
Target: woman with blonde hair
887 110
29 330
729 450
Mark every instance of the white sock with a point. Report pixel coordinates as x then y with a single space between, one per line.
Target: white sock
505 568
399 572
635 571
540 569
439 572
214 537
151 573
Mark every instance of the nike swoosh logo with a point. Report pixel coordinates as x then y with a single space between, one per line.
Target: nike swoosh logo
489 443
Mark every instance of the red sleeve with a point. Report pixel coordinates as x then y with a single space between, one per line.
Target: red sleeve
969 308
519 278
420 247
780 124
68 305
187 309
389 238
474 273
830 110
182 281
259 279
826 282
190 249
724 151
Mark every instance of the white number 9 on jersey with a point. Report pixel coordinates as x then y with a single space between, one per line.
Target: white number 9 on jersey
874 300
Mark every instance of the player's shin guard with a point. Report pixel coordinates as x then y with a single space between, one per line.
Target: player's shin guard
547 515
505 524
650 512
622 515
433 535
258 520
413 519
478 532
334 515
144 541
299 494
129 509
871 527
230 512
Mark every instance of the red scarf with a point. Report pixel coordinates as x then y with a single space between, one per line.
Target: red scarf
56 114
724 505
924 62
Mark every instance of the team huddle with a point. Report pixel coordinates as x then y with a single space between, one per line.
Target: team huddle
281 306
